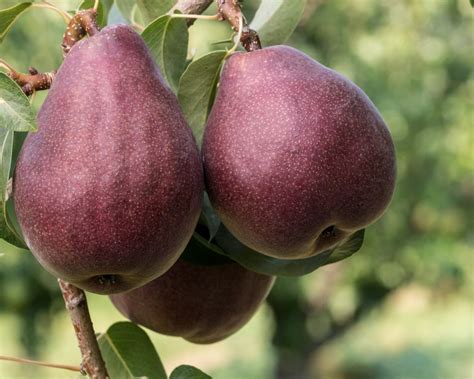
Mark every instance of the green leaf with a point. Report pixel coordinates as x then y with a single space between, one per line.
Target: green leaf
6 146
9 15
167 39
276 20
197 89
200 251
129 353
16 113
13 225
152 9
9 227
102 10
472 3
210 218
257 262
188 372
8 248
348 247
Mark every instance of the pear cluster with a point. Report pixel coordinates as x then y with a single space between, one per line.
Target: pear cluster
108 192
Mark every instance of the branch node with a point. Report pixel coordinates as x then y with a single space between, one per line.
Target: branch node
34 81
231 11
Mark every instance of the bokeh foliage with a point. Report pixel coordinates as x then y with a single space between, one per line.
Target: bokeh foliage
397 309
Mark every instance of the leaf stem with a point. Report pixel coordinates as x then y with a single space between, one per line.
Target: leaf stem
96 5
39 363
195 16
237 40
44 4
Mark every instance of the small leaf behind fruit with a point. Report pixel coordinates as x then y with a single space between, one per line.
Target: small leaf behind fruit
263 264
211 219
12 224
129 353
6 141
167 39
276 20
16 113
349 247
201 252
9 15
151 9
197 89
188 372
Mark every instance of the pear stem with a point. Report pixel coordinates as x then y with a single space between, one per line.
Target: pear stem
76 304
32 82
83 23
39 363
231 11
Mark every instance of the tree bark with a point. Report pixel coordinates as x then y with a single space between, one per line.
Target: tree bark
192 6
76 304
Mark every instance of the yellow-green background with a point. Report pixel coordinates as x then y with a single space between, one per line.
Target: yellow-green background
401 308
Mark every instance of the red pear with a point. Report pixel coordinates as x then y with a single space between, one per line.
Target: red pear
108 191
296 156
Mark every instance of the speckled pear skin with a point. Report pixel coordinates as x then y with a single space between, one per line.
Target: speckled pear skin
108 191
296 157
203 304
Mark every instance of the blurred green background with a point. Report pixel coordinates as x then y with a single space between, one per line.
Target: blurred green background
401 308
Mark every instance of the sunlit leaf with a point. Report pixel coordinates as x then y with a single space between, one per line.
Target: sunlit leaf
167 39
276 20
9 15
129 353
16 113
197 90
9 227
8 248
151 9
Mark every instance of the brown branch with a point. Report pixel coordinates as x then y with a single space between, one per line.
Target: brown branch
29 83
76 304
191 7
39 363
84 22
231 11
